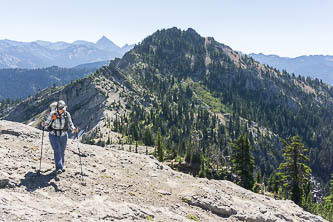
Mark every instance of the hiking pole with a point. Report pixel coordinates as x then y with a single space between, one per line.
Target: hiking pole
78 147
41 152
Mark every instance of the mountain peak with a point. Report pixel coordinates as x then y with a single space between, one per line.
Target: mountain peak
190 30
103 40
106 44
174 35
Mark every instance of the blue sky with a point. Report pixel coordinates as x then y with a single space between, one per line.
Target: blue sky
283 27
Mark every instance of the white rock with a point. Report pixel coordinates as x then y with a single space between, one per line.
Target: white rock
119 186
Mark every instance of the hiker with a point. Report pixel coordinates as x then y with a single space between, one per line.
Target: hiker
57 123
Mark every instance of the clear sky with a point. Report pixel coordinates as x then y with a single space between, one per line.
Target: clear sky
283 27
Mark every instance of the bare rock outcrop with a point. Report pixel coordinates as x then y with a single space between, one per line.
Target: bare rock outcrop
230 201
118 186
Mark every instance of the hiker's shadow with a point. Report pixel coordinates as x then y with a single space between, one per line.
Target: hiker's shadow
34 180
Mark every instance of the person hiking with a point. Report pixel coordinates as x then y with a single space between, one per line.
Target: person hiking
57 123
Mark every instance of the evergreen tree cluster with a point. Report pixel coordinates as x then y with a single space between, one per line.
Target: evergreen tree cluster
7 104
326 208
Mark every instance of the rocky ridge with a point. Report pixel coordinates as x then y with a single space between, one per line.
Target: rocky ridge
118 186
98 97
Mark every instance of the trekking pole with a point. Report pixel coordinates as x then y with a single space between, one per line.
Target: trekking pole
41 152
78 147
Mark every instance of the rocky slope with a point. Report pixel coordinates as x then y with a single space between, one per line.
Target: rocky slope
118 186
91 101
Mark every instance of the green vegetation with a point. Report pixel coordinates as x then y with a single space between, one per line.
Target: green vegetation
326 208
206 97
192 217
7 104
150 218
160 152
185 200
243 163
295 172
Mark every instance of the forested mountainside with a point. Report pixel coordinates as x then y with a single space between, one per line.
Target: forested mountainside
193 97
21 83
197 79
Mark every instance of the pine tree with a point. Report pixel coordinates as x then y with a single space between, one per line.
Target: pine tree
189 153
295 172
148 138
243 161
202 172
258 177
327 209
160 152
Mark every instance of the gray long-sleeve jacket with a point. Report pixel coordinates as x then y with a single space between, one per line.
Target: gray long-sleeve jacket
60 125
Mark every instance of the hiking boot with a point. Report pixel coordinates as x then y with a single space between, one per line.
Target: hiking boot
63 170
59 171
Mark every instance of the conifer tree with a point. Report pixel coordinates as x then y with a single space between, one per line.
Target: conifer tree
243 161
189 153
160 152
148 139
296 173
327 209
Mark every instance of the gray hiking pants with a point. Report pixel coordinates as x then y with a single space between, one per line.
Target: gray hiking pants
58 144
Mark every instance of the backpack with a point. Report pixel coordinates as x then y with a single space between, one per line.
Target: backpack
53 106
55 116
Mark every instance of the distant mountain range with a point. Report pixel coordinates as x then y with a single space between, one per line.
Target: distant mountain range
315 66
41 54
21 83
